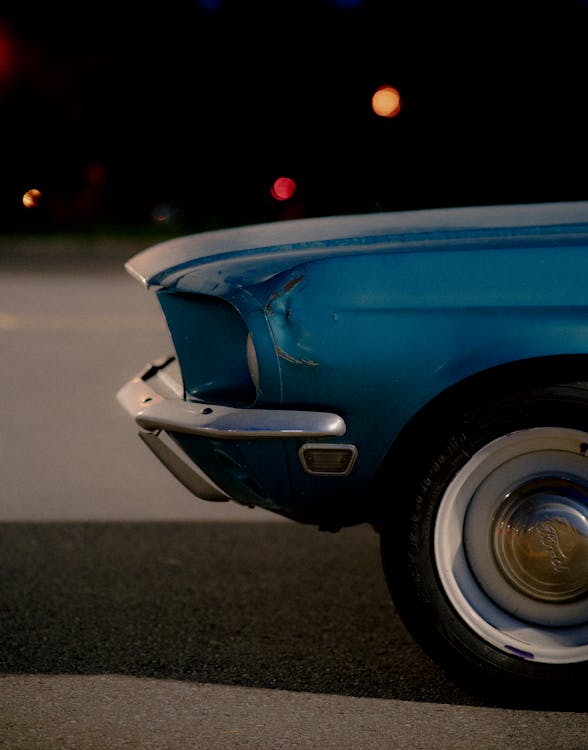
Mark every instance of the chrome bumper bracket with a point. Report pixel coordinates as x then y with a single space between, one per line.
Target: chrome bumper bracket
190 476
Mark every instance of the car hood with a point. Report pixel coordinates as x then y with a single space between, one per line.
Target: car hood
219 261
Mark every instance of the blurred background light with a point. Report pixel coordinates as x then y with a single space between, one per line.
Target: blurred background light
347 4
96 174
7 55
386 101
163 213
283 189
212 100
32 198
211 6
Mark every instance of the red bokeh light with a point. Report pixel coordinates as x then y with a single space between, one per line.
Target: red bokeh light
14 56
283 189
96 174
7 55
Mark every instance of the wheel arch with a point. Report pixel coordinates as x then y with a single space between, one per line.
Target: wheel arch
424 431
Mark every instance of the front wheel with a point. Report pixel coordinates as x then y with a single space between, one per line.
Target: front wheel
489 568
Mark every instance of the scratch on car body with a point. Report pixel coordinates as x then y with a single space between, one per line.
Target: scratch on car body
295 361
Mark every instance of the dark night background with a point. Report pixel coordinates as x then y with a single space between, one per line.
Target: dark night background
182 114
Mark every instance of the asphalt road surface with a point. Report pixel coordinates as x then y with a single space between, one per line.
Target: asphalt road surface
133 615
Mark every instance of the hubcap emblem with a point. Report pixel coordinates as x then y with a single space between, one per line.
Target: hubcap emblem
540 540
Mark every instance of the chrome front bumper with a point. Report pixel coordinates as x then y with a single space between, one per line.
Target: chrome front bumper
154 398
155 401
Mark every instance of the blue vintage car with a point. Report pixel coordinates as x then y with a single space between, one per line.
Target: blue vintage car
425 372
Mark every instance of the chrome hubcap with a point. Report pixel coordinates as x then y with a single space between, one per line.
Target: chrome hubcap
540 540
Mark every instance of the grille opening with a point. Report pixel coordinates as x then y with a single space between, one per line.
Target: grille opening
210 339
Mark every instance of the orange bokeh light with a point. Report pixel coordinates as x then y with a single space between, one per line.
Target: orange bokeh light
386 101
31 198
283 188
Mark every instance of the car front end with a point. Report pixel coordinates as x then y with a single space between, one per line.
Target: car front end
215 411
